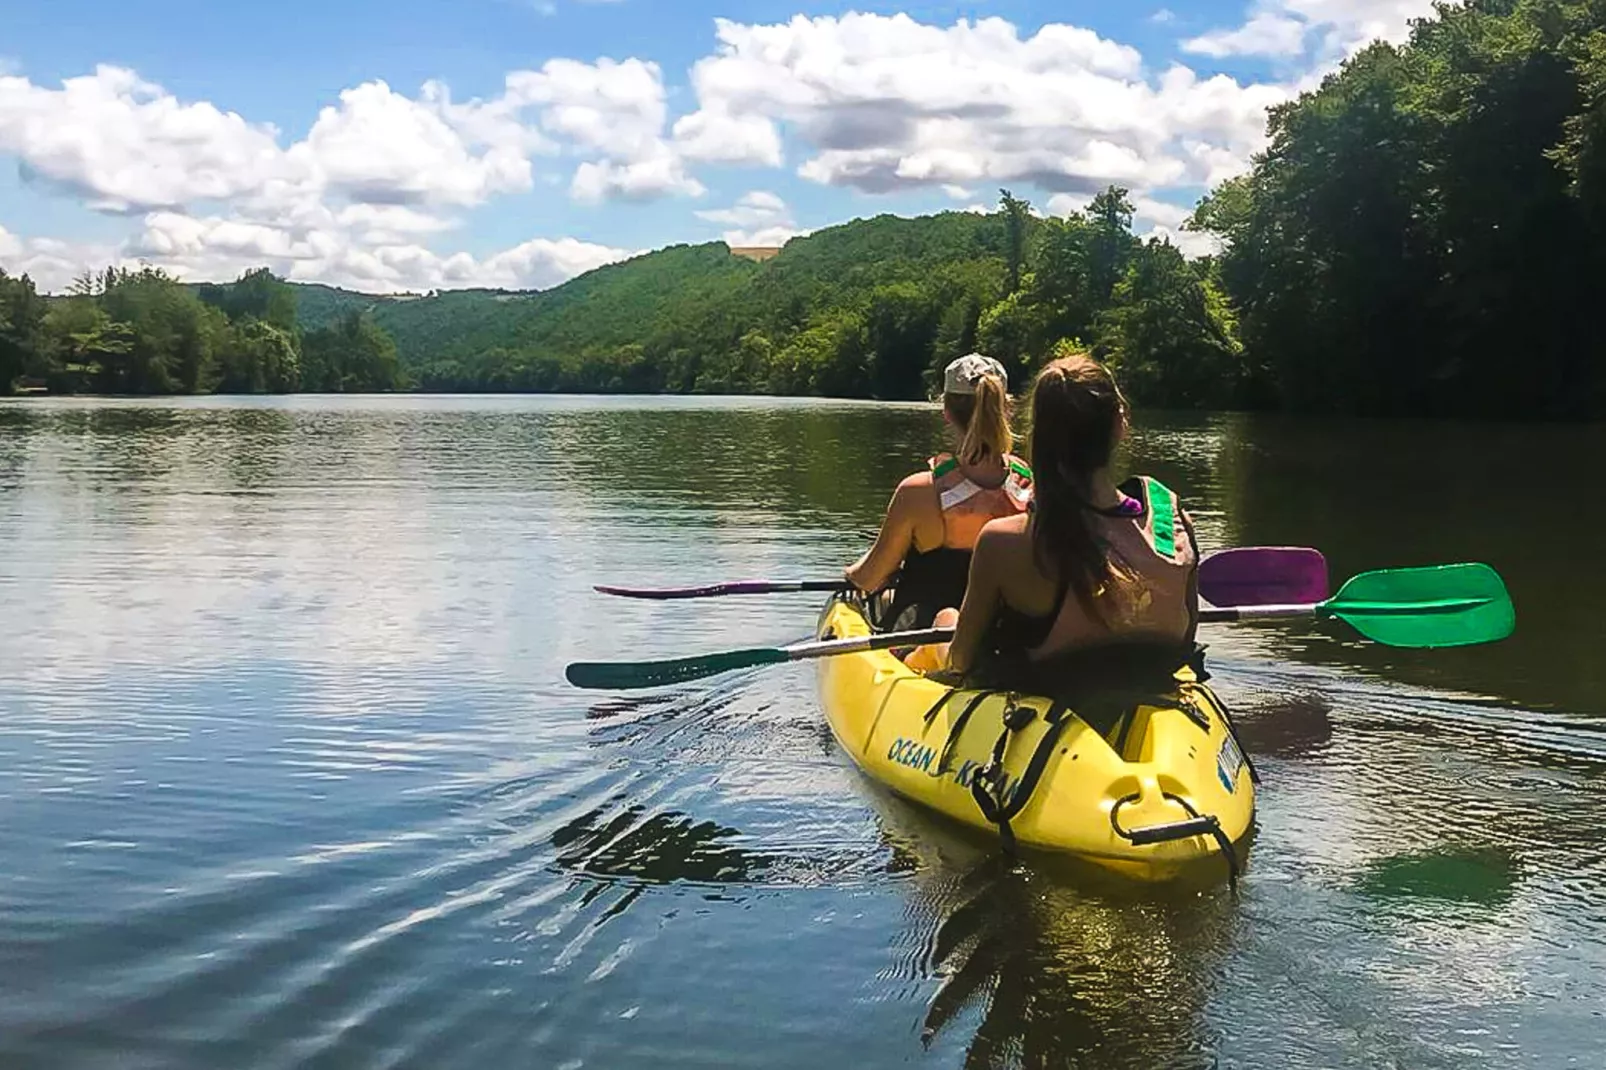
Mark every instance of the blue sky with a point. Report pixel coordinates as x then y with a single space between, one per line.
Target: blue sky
417 144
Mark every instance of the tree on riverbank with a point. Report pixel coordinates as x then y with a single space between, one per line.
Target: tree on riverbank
143 332
1424 234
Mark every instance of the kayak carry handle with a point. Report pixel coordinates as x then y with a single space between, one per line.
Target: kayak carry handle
1175 830
1197 824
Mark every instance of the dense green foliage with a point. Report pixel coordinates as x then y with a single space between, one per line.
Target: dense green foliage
1424 233
142 332
873 308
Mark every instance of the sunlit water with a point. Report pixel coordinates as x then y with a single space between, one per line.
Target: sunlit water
289 775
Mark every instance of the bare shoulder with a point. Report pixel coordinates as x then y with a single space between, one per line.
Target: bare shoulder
918 481
915 492
1005 532
1002 541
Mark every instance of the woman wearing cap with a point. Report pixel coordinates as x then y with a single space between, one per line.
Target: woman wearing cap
935 516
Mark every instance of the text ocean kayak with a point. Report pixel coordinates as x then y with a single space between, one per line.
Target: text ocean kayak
1163 787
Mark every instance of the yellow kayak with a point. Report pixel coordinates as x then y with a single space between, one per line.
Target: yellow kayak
1162 788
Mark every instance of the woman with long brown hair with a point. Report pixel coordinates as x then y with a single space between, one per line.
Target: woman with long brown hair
935 515
1093 562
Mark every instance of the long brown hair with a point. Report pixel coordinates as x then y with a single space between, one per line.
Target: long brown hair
1077 416
983 417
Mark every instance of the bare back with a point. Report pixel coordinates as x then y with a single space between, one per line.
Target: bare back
1007 574
914 524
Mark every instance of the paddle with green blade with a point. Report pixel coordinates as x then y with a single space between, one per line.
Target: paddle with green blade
1429 607
1435 606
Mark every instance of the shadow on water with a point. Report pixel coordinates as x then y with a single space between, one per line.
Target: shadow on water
1294 727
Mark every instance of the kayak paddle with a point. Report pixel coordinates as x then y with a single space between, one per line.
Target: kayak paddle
1250 575
1436 606
624 675
1263 575
718 590
1433 606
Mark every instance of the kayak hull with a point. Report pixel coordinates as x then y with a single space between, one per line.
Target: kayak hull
1134 799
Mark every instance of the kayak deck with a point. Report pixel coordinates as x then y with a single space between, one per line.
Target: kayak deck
1162 788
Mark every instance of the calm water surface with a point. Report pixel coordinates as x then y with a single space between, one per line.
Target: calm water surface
289 776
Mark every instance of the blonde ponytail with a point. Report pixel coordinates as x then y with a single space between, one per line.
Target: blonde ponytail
987 432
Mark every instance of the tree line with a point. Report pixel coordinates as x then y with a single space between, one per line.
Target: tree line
124 331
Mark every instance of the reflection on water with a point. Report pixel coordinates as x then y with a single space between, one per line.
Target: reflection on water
288 775
1485 876
655 848
1033 967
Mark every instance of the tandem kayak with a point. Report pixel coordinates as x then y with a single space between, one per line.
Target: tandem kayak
1160 786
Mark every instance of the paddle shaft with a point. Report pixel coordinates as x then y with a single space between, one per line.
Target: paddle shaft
825 648
718 590
1221 614
1250 575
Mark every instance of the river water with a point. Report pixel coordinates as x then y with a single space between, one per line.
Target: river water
289 775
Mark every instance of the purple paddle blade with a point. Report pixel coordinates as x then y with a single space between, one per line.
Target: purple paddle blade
1264 576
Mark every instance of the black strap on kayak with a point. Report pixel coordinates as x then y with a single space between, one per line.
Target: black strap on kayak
959 726
987 786
936 707
1197 825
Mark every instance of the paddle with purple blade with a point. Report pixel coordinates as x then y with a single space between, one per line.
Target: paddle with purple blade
1245 576
1264 575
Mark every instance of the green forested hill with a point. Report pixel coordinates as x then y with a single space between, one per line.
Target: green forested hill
322 306
871 308
687 317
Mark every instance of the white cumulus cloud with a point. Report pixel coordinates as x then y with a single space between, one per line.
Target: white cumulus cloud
215 247
381 147
615 112
369 193
1329 29
377 175
121 143
1266 34
758 218
889 103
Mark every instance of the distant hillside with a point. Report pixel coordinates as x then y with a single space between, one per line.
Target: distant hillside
872 308
319 306
683 310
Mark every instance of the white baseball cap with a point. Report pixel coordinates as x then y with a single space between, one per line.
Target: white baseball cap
962 376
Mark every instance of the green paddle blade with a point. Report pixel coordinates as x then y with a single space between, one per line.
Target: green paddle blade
1437 606
627 675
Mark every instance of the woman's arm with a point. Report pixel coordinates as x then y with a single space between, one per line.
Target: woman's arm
981 601
881 562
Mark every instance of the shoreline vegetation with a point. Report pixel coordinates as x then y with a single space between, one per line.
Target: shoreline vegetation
1422 236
